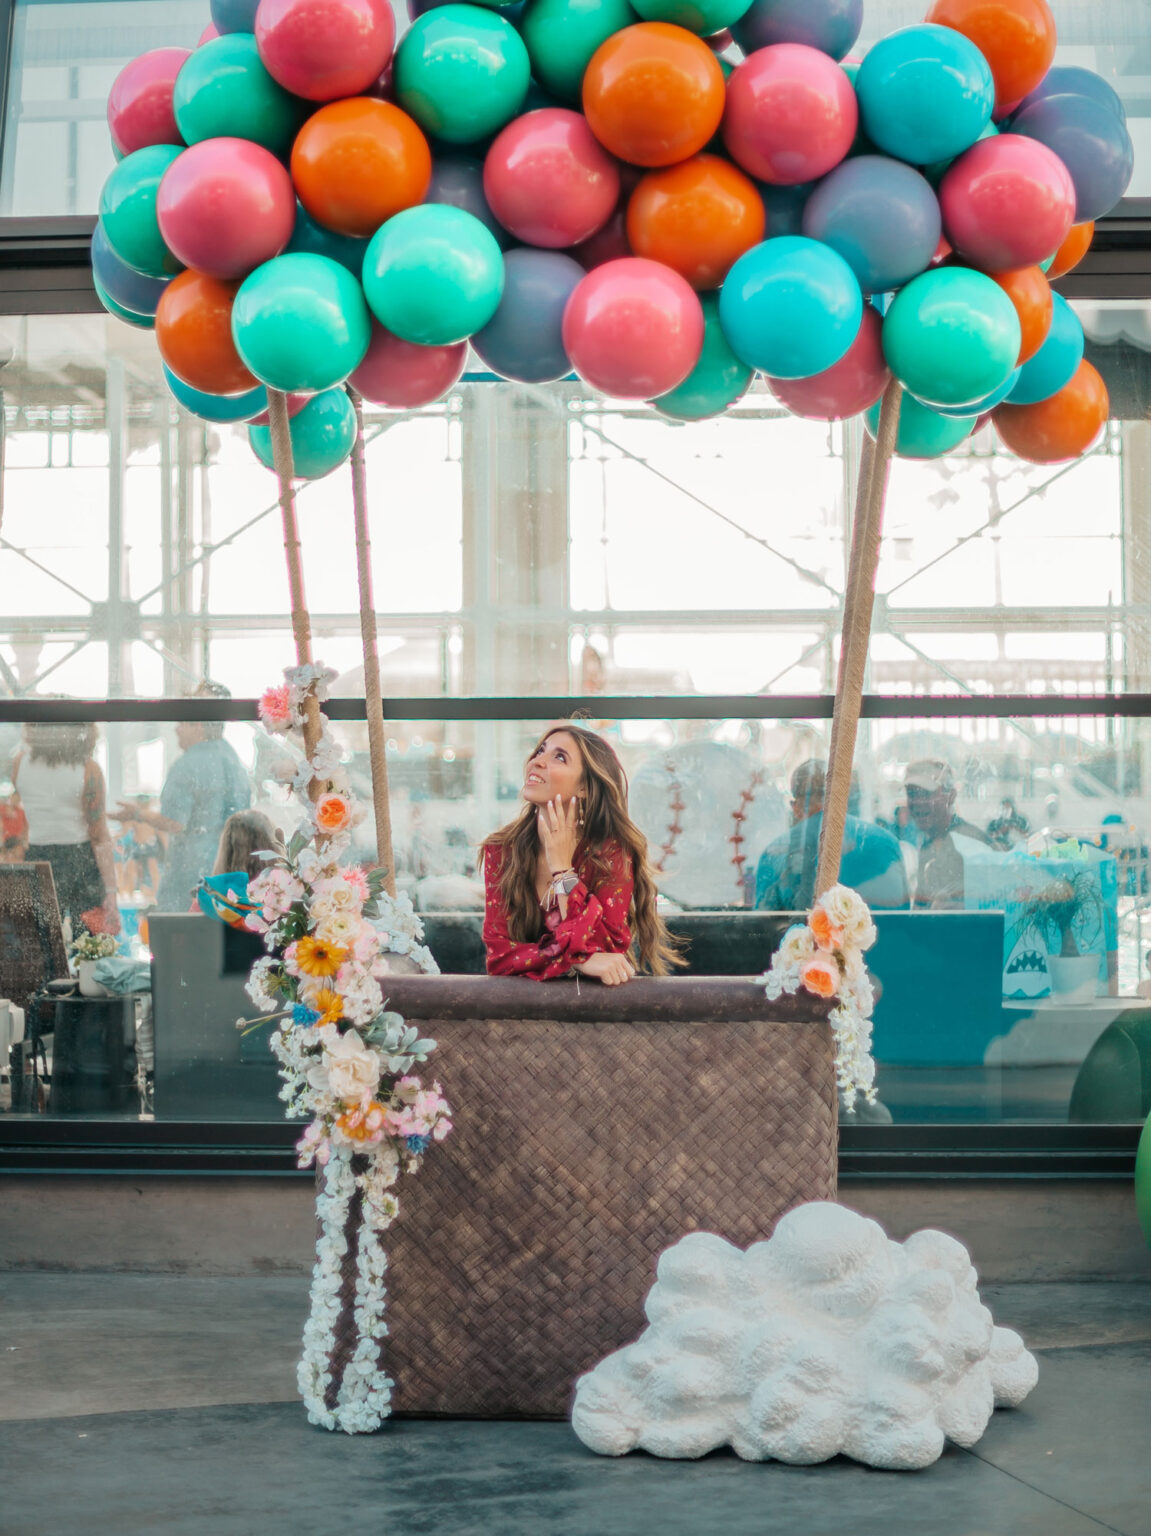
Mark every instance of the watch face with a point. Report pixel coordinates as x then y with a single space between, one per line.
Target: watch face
568 884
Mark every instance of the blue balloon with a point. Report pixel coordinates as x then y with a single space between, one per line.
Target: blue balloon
219 408
784 206
829 25
882 218
234 15
142 322
458 181
1055 363
322 435
1091 141
791 307
925 93
315 240
977 407
1074 80
924 433
128 288
524 338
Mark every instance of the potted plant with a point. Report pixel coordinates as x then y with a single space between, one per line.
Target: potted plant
1063 912
89 949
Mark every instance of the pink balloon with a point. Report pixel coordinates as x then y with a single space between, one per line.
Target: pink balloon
633 328
295 404
549 181
1007 202
225 206
791 114
140 101
607 244
847 387
402 375
325 49
209 34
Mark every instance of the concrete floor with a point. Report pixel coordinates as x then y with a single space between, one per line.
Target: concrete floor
166 1404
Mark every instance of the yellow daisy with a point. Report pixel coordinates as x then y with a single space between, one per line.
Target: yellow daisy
316 957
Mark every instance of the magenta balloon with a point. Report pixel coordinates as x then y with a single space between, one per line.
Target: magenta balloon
295 404
208 35
791 114
607 244
847 387
325 49
548 180
225 206
633 328
402 375
140 101
1007 202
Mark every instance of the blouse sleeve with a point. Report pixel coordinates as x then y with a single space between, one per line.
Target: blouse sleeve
596 920
598 912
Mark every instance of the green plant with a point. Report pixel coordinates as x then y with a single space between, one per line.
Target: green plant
1051 911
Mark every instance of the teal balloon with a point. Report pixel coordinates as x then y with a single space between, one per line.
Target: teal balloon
562 35
988 403
936 171
142 322
791 307
322 435
951 336
1048 262
1143 1182
433 275
128 210
1055 363
313 238
923 433
461 72
300 323
219 408
223 91
716 381
703 17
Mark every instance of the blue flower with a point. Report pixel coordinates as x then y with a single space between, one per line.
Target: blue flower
302 1014
416 1143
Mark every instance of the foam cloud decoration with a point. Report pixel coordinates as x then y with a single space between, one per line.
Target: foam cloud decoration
829 1338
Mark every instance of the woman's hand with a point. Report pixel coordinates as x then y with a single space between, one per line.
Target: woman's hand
612 970
558 833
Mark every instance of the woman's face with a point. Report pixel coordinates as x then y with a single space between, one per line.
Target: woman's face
555 768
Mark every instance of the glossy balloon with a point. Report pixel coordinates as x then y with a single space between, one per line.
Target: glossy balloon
1143 1181
847 387
194 335
562 35
325 49
300 322
404 376
923 433
925 93
357 163
316 240
548 180
718 379
653 94
985 406
1074 80
142 322
938 169
880 215
832 26
791 114
1016 37
1030 292
226 206
224 90
784 207
1007 202
951 336
234 15
1091 141
607 244
633 329
1061 427
524 338
218 408
703 17
1055 363
210 31
458 181
697 218
791 307
322 435
128 210
433 275
127 288
1073 249
462 72
140 102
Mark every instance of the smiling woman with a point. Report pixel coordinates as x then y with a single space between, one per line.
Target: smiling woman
568 881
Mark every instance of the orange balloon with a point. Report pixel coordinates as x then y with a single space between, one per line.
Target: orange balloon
653 93
1030 292
1073 249
697 218
1016 37
1061 427
358 161
194 334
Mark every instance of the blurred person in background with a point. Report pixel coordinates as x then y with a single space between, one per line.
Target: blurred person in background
945 838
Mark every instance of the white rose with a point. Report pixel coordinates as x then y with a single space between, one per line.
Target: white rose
796 946
848 911
351 1069
341 928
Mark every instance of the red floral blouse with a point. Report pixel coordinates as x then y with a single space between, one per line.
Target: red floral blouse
596 921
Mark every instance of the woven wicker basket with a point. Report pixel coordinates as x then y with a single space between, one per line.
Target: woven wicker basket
593 1128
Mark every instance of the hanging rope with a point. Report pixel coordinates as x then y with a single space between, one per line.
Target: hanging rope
858 602
301 624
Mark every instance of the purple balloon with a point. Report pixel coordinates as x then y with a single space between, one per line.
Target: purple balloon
125 286
829 25
233 15
524 338
458 181
1073 80
880 215
1091 141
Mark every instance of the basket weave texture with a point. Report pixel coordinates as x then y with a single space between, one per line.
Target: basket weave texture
583 1146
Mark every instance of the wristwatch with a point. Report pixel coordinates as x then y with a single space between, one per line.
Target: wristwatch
565 882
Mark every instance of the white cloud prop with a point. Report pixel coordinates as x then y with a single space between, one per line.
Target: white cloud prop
828 1338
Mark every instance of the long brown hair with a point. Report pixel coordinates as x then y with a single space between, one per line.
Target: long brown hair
245 834
605 820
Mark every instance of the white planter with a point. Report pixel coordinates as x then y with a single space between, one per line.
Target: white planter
1074 978
88 987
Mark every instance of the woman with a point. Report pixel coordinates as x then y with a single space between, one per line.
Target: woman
246 834
568 881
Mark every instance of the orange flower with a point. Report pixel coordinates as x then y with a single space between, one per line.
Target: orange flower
316 958
364 1123
324 1001
820 975
332 812
824 931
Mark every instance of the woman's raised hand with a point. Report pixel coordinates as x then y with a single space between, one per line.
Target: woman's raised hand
558 832
611 969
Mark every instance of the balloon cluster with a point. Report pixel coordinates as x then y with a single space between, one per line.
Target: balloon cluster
665 196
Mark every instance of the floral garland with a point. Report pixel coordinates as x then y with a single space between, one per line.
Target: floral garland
344 1057
825 956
